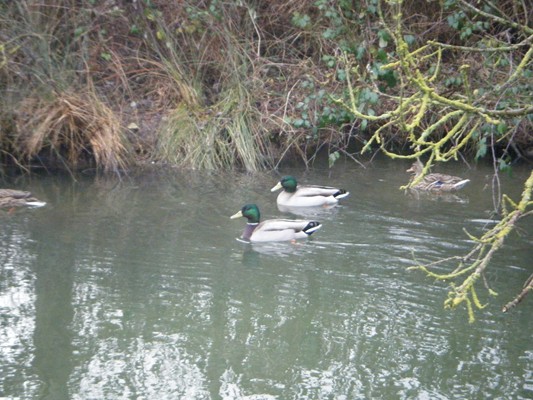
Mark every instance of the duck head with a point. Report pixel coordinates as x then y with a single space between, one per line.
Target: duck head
288 183
416 168
250 212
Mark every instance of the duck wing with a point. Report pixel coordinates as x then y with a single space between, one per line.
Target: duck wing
442 182
15 194
281 224
283 229
315 190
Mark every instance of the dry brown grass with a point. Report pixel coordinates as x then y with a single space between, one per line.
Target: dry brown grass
74 129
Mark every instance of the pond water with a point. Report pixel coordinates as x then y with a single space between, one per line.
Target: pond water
136 288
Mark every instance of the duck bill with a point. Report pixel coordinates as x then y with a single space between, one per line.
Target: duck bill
277 187
236 215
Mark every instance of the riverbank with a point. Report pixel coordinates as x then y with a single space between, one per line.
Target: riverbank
216 86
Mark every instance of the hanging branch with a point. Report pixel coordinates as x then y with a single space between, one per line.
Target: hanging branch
527 287
460 117
477 260
465 112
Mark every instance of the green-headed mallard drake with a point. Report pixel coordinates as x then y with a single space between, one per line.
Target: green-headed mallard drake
294 195
273 230
17 198
435 182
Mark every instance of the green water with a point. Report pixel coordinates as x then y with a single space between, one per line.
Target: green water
138 289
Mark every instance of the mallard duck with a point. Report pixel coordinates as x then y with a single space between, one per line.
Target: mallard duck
17 198
294 195
273 230
435 182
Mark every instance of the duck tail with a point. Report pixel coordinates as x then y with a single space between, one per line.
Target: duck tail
35 203
311 227
460 184
342 193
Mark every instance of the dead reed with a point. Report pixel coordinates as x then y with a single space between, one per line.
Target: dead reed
74 129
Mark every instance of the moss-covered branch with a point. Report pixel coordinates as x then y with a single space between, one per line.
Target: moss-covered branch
493 17
528 286
422 95
439 123
476 261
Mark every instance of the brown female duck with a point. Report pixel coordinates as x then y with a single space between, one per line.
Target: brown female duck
435 182
10 198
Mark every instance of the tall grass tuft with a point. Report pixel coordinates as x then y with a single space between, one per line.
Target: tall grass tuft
224 136
72 129
215 122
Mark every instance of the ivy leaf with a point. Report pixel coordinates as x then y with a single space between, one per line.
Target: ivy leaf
298 123
481 148
341 75
384 38
332 158
329 34
301 21
504 166
360 52
501 128
409 39
389 77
